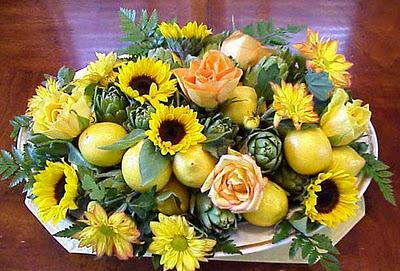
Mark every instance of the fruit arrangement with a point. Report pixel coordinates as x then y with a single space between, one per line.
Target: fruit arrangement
171 146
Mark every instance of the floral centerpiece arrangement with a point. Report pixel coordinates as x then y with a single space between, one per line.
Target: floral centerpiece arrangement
168 148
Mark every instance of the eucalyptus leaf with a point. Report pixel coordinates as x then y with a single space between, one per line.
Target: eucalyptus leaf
151 162
65 75
76 158
127 141
319 84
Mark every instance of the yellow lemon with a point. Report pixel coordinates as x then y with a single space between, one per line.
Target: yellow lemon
131 171
347 159
307 151
274 206
244 104
193 166
169 205
98 135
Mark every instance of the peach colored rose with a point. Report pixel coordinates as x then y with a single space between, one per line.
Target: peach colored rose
208 82
235 183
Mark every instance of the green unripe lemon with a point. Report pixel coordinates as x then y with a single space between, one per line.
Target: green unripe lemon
98 135
274 207
131 171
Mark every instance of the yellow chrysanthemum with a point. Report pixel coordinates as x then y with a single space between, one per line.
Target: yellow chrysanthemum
42 92
331 198
323 57
170 30
192 30
56 188
147 80
178 244
101 71
174 129
108 235
293 102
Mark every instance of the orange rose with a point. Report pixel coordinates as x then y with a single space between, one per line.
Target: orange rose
208 82
235 183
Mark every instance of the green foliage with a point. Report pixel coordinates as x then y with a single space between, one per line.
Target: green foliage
151 162
377 170
19 122
127 141
296 64
319 84
70 231
141 32
282 231
268 34
315 248
144 204
75 157
155 260
65 76
90 185
226 245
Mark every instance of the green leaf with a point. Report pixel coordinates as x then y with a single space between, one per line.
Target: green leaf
379 172
155 260
70 231
144 204
282 232
263 86
227 246
319 84
325 243
89 184
76 158
127 141
8 166
65 75
151 162
299 222
19 122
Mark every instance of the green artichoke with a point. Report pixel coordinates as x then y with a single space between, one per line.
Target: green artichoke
220 133
166 56
138 117
266 148
291 181
110 105
212 218
268 69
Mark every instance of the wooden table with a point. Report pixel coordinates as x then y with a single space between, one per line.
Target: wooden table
38 37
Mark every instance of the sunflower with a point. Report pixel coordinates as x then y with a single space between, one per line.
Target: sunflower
331 198
174 129
192 30
178 244
42 92
323 57
101 71
56 189
147 80
293 102
108 235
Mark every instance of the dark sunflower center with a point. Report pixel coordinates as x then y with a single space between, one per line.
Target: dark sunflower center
328 197
59 190
141 84
172 130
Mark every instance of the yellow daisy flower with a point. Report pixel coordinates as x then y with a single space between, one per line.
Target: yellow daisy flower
108 235
331 198
147 80
56 189
174 129
170 30
42 92
101 71
293 102
192 30
178 244
323 57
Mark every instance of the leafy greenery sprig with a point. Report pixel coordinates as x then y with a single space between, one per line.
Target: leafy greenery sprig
268 34
19 122
141 32
377 170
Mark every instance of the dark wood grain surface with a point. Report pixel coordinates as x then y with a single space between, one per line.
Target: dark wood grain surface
38 37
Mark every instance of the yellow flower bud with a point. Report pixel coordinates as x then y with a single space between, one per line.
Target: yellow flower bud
344 121
246 50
